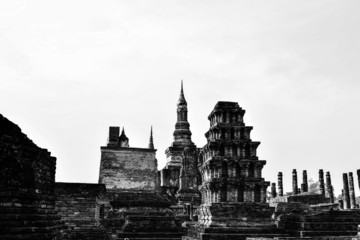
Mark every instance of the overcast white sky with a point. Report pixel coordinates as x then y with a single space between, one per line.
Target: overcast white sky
71 69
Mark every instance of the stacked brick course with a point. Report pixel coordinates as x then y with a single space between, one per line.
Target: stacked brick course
27 177
80 206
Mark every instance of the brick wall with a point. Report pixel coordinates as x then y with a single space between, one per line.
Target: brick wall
79 205
78 201
128 168
27 177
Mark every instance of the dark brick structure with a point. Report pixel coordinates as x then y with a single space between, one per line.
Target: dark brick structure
280 184
295 189
321 182
188 190
352 191
233 190
126 168
358 174
27 177
170 174
81 208
304 185
346 194
133 206
329 187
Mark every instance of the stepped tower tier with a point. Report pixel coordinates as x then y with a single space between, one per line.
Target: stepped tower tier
233 192
230 169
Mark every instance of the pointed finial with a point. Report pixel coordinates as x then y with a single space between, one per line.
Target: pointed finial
123 139
182 100
182 89
151 142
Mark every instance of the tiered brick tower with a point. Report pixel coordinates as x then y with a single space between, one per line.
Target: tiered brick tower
233 191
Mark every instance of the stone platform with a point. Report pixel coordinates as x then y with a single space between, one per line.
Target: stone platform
337 223
141 215
233 221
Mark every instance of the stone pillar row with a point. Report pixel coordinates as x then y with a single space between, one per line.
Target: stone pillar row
304 186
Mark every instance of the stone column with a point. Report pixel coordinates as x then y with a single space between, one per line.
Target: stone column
352 191
280 184
321 181
273 190
304 185
329 187
294 182
358 173
346 191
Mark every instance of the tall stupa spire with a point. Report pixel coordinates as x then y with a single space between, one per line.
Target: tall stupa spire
151 141
182 133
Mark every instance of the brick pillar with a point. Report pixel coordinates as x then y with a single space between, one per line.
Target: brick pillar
352 191
304 185
273 190
280 184
358 173
294 182
346 191
329 187
321 181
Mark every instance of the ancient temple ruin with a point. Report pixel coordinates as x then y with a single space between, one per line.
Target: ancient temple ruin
233 191
214 192
133 205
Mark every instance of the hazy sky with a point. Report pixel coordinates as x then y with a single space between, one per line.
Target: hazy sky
71 69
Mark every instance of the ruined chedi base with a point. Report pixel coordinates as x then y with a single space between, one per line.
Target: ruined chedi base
27 178
233 191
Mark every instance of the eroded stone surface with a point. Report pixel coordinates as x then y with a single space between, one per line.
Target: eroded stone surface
128 168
